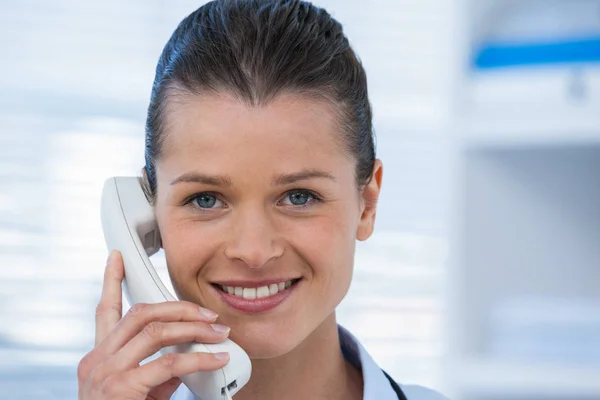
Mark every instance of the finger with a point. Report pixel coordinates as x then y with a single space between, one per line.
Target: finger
157 335
109 310
140 315
166 390
171 365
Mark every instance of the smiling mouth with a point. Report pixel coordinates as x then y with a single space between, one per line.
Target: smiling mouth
256 292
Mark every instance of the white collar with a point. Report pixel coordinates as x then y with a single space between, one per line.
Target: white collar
375 384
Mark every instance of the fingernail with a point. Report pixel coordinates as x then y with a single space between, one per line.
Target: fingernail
221 356
110 255
220 328
208 313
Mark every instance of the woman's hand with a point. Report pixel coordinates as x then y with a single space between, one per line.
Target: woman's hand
112 369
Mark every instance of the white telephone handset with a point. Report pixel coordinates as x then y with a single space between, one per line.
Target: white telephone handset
129 226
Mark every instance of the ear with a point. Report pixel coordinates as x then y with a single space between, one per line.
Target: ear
370 196
145 184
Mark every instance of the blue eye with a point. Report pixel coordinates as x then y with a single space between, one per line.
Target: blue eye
205 200
300 197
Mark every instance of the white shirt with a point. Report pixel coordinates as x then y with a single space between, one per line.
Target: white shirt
376 386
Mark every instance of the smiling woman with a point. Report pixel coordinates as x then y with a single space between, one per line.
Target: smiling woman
261 169
262 226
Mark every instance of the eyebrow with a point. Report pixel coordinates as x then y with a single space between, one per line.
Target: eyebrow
194 177
287 179
223 180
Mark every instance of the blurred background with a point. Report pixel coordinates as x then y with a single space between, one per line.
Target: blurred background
483 279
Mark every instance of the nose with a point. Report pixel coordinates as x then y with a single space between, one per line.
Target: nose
254 240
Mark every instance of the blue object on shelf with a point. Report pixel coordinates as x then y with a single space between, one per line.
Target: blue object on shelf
499 55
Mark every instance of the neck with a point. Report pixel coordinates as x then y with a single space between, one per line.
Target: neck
315 369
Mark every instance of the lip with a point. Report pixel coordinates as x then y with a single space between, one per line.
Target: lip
257 306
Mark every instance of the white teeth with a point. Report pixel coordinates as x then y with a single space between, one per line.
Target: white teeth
262 291
257 293
249 293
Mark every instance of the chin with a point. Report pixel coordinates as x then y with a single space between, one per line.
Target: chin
263 348
264 341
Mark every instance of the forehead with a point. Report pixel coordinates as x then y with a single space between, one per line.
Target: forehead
220 128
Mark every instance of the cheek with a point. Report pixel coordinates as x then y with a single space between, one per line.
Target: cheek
186 248
328 246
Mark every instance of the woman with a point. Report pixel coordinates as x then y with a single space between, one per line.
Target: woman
261 168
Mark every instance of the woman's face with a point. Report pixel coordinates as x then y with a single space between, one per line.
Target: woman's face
253 197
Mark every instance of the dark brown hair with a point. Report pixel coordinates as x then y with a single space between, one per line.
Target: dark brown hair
256 50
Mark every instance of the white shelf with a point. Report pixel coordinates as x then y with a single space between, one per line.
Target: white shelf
579 127
497 379
545 106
